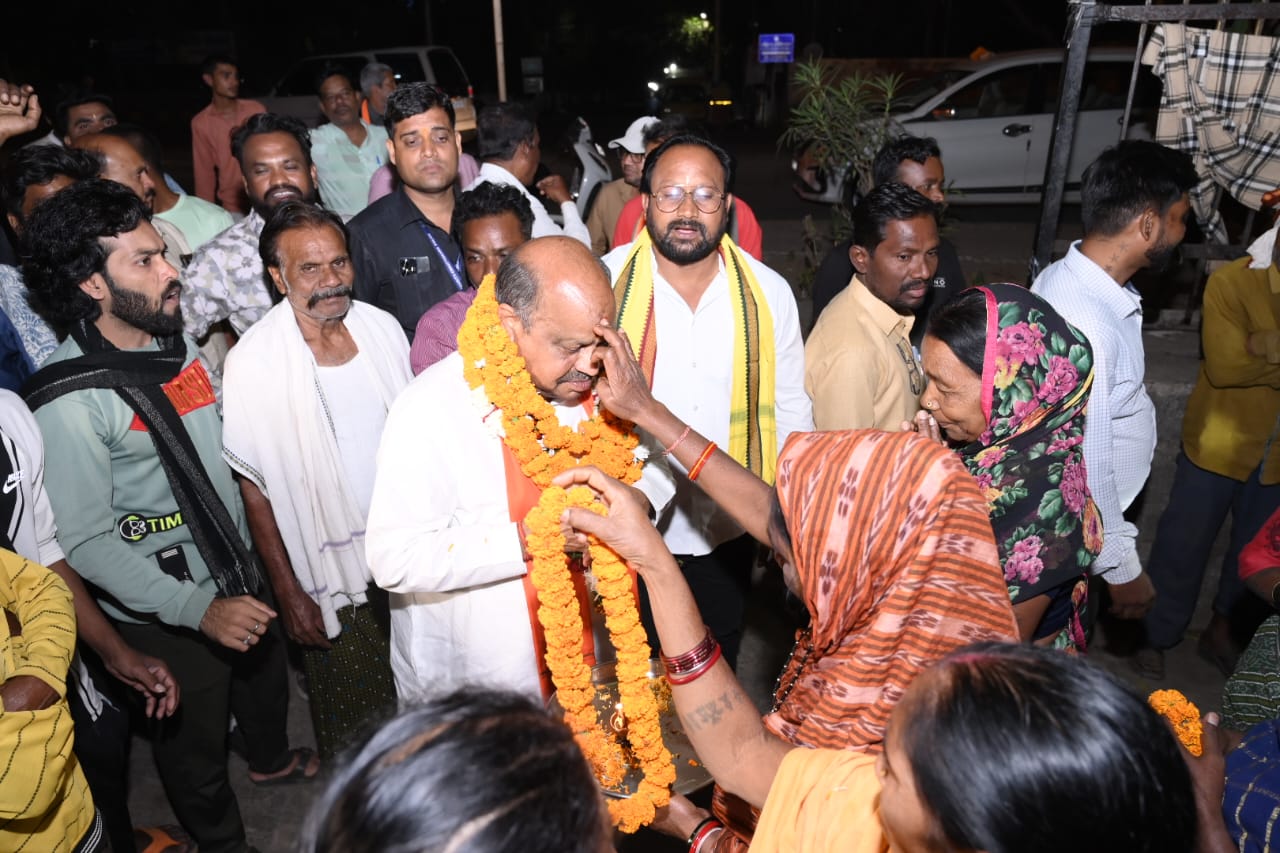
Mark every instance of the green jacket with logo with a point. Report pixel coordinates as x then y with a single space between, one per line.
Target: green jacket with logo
115 511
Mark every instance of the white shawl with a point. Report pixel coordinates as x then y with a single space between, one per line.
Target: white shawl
277 433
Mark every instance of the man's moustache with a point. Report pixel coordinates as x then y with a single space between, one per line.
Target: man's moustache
687 223
330 293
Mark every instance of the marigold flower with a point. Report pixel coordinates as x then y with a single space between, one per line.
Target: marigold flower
1182 714
546 448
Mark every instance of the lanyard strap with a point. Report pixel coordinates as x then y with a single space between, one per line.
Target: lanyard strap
454 269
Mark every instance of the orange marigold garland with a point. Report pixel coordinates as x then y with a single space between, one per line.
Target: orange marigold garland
545 448
1182 714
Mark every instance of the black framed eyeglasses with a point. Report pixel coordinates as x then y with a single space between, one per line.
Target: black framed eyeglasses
706 199
908 357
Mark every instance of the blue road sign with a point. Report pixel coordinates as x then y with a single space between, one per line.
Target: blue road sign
777 47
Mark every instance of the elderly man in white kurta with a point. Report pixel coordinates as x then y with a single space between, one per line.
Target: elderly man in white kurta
306 395
443 537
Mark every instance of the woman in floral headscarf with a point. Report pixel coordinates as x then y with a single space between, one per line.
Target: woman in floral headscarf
1008 383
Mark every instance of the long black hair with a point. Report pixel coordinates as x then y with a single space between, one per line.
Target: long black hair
1022 747
478 770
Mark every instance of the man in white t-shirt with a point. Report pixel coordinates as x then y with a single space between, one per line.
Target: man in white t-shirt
305 397
510 153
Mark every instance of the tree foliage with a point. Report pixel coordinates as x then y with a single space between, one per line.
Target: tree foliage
842 121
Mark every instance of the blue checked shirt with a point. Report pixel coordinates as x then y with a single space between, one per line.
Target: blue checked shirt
1120 424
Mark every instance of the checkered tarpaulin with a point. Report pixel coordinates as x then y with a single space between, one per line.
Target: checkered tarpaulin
1221 104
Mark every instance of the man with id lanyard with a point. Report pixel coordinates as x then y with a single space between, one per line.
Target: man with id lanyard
405 259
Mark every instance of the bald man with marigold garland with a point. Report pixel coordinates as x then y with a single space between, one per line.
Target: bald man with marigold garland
446 534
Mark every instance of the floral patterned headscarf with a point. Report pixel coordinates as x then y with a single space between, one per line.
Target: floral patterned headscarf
1037 371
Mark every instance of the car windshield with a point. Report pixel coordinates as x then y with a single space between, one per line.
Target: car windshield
916 92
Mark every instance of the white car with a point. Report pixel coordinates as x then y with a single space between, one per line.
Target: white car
993 119
294 94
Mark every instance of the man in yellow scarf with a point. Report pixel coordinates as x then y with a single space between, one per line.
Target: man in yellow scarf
718 335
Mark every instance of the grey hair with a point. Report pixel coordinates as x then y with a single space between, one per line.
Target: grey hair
515 285
371 75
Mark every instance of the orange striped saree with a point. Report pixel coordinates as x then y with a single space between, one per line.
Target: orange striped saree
898 566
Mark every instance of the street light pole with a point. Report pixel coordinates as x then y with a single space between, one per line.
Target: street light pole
715 35
499 49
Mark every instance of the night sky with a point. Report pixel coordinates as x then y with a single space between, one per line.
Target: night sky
146 52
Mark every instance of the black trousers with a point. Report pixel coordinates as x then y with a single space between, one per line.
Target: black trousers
102 747
720 582
191 747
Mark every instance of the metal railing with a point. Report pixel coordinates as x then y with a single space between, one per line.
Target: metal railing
1082 17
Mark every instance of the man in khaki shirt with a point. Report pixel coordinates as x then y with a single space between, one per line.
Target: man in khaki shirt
860 369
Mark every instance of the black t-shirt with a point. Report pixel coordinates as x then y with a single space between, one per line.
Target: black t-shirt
836 270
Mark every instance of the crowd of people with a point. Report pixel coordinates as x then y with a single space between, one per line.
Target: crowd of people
318 406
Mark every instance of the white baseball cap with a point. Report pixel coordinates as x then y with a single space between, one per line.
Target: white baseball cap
633 139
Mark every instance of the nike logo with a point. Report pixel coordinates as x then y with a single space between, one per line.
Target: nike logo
12 481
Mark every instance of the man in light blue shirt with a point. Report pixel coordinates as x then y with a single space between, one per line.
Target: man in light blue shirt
347 150
1133 207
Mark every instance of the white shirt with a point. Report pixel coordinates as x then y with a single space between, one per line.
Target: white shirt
1120 423
693 377
543 224
358 417
441 540
31 527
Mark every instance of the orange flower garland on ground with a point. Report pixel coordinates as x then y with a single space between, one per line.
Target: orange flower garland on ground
1182 714
545 448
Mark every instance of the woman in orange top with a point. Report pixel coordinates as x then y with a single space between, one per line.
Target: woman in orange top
886 539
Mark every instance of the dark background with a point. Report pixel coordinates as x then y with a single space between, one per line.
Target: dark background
596 58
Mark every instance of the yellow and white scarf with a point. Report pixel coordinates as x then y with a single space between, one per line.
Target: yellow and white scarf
753 430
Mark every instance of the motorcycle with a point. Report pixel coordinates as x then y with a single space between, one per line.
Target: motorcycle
587 166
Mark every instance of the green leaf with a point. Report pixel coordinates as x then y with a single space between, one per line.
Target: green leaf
1009 313
1081 358
1050 504
1065 524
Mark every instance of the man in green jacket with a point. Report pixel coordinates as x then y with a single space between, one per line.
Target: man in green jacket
146 510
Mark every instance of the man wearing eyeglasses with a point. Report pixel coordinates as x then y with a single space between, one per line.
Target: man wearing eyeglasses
613 195
347 150
860 369
718 336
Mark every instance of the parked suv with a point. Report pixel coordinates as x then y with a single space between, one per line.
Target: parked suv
295 93
993 119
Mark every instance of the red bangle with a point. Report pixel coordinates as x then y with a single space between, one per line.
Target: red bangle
696 673
680 664
702 460
666 451
700 832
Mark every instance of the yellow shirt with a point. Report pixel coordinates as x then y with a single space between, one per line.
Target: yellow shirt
45 803
822 801
859 368
1234 409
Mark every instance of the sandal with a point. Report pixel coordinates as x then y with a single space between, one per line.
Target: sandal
1149 663
162 839
298 775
